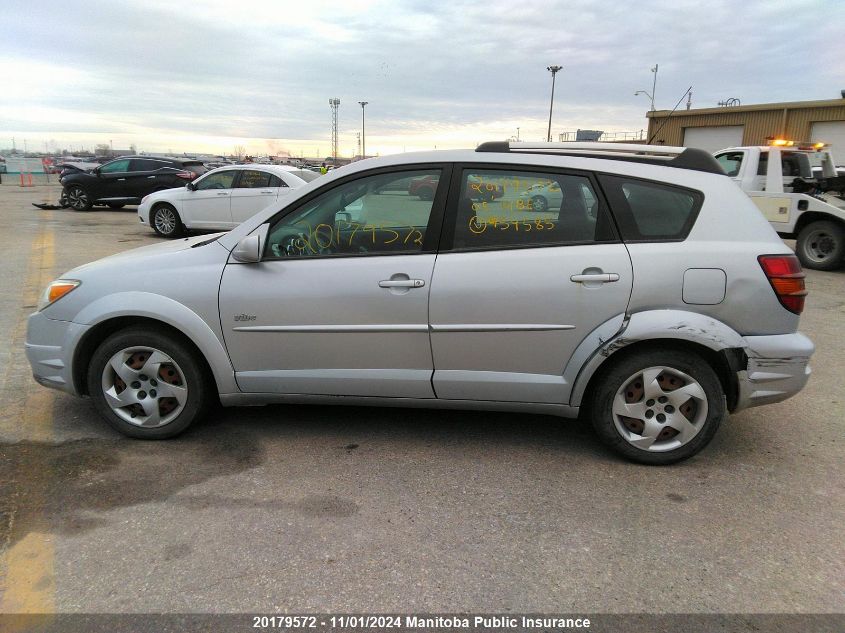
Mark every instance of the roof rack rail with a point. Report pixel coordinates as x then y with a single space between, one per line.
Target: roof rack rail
667 156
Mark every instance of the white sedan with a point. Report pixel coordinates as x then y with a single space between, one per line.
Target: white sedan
220 199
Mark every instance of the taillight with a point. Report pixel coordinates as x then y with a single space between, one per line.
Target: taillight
787 279
187 174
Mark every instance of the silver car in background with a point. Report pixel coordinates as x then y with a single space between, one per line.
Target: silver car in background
650 296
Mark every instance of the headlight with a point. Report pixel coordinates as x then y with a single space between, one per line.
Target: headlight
55 291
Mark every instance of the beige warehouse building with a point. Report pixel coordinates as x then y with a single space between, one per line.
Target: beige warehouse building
716 128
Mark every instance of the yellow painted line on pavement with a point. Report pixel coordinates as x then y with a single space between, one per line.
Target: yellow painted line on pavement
28 582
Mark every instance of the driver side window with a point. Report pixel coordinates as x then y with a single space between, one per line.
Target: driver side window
730 162
373 215
115 166
218 180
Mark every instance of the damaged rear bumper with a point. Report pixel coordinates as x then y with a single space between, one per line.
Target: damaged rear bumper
778 368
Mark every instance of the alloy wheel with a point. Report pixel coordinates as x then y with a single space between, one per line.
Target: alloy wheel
77 198
144 386
539 203
659 409
165 220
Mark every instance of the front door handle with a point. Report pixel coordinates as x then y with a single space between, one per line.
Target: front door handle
595 278
401 283
222 193
150 177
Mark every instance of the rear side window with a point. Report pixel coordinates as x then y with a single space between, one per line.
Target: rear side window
512 209
147 164
254 179
650 211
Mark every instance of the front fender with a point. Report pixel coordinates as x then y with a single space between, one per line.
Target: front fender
658 324
173 313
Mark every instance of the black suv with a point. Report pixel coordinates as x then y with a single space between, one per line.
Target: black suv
127 179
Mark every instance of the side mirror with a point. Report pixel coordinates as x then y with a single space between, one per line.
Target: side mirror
191 186
342 216
248 250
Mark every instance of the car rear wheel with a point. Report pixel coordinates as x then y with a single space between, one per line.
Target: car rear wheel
821 245
78 199
166 221
658 407
147 384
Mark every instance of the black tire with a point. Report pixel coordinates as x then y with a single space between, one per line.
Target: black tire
165 221
821 245
199 386
616 376
78 198
115 205
539 203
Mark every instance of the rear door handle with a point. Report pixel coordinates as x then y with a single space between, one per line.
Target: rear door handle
595 278
401 283
222 193
267 191
150 177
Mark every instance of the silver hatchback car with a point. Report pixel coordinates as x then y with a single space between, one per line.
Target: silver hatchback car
650 295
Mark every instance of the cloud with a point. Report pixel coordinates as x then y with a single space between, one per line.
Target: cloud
168 75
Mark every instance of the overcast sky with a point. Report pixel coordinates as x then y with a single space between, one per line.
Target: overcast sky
206 76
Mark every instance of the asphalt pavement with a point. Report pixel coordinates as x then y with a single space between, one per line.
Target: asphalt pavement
377 510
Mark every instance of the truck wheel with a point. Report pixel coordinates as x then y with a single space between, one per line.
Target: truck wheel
658 406
821 245
147 384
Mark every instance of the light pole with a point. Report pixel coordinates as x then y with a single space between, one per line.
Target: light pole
647 94
653 88
363 131
553 70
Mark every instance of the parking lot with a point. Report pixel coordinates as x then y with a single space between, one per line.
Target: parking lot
357 509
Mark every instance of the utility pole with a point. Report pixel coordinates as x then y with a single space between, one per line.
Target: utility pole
358 134
334 103
517 134
554 70
363 131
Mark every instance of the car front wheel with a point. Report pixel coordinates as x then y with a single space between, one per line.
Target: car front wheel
166 221
821 245
539 203
78 198
147 384
659 406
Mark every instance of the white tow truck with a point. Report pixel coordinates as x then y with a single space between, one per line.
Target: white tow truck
800 203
